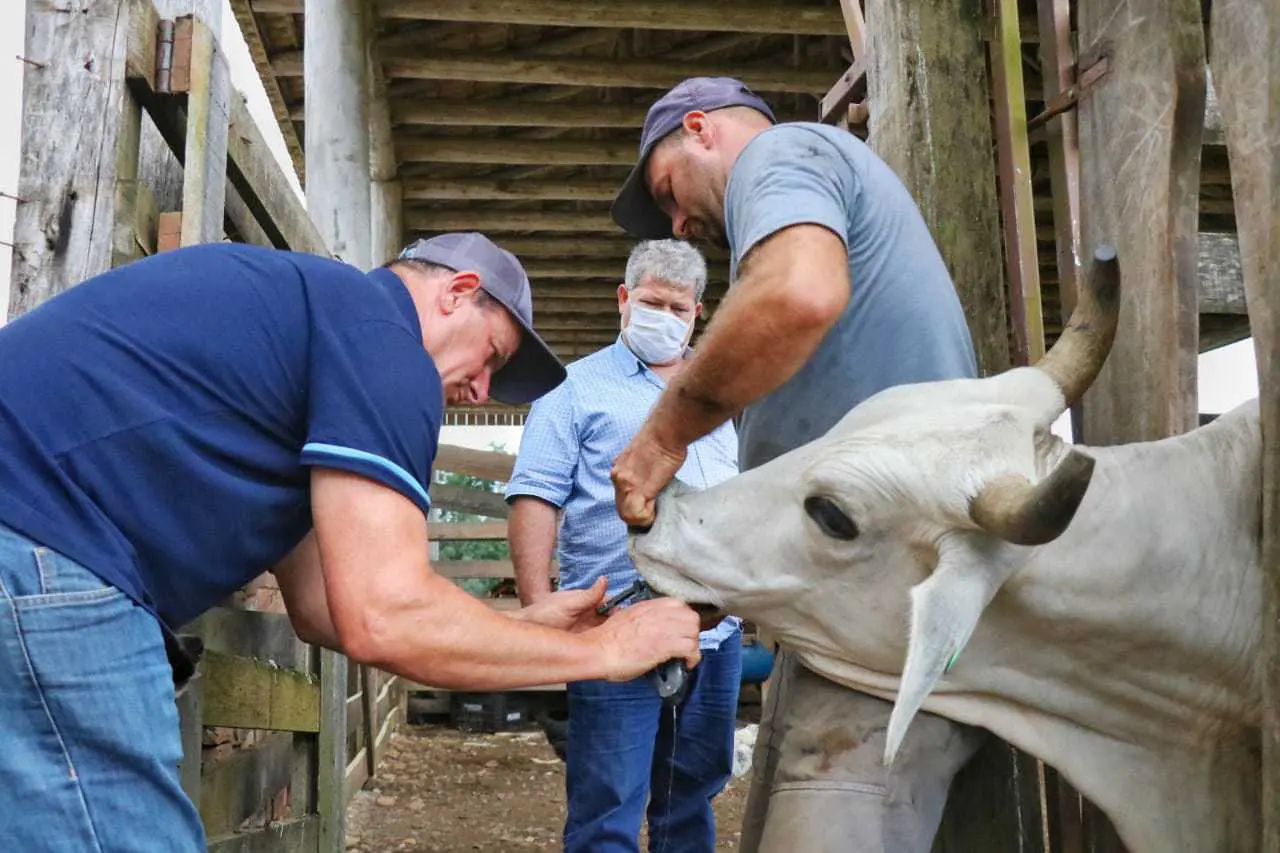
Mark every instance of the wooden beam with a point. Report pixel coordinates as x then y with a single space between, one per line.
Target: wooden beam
455 569
1057 62
331 801
514 113
538 152
64 228
1220 275
473 501
937 137
291 836
574 270
337 128
1246 73
1139 166
265 188
468 531
856 26
201 72
236 785
485 464
938 141
487 189
617 248
576 71
245 693
752 16
429 220
1014 157
244 15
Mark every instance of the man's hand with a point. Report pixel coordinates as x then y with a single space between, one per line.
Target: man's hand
567 610
643 470
638 638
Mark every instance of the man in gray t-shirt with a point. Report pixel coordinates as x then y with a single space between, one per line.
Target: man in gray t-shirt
838 292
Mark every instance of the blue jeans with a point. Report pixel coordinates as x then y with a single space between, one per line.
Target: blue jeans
624 747
91 747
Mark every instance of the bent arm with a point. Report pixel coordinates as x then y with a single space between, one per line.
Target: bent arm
531 532
793 287
302 585
389 610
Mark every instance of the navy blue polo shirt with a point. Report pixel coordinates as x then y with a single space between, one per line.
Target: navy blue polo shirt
158 422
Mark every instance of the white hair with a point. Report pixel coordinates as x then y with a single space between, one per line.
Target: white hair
669 261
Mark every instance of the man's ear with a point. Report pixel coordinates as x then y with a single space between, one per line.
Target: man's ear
697 311
698 124
460 290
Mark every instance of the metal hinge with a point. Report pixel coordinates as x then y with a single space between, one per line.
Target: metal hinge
164 56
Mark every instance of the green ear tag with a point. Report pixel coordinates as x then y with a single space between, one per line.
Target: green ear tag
951 662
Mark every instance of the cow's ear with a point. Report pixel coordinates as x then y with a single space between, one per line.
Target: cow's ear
944 611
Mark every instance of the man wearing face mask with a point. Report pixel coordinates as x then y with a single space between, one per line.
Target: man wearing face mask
623 748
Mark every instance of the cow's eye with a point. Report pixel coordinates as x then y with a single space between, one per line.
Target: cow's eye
831 518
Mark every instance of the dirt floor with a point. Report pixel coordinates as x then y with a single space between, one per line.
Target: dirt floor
440 790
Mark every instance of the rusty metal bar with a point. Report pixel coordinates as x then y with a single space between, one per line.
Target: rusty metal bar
1016 200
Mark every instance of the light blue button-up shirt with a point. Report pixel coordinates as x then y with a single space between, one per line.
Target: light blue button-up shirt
570 441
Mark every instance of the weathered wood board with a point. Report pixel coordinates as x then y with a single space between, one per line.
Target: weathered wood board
1245 53
928 90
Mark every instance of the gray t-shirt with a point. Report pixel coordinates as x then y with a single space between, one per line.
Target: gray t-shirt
903 322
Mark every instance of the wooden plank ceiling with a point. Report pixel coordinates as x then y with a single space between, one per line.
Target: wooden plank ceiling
520 118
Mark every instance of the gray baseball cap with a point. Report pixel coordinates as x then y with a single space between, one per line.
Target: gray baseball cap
633 207
534 369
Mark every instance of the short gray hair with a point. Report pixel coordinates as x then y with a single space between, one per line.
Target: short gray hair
670 261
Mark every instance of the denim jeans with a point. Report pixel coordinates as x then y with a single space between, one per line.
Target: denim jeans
624 747
91 744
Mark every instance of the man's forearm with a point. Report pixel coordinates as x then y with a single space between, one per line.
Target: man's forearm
439 635
531 533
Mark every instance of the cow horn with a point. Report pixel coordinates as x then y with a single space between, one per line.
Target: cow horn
1016 511
1082 348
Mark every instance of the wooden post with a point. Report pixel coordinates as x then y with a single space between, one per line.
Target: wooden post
933 128
332 770
64 227
1014 156
934 131
200 70
369 721
337 127
1140 137
386 201
1246 73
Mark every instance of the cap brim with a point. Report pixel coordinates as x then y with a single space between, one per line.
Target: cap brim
532 371
635 210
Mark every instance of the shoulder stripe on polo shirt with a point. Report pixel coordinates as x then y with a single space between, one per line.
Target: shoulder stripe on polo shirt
381 462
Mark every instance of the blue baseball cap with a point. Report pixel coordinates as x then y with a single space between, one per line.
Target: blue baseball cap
633 207
533 369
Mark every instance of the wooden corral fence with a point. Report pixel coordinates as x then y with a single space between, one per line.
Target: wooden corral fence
133 142
1134 147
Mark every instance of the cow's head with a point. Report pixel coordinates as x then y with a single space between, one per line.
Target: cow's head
888 536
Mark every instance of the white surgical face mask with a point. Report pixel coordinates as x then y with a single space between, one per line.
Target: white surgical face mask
656 337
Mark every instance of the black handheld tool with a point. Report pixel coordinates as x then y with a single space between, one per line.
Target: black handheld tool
670 678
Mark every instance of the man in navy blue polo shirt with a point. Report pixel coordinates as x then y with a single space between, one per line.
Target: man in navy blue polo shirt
173 428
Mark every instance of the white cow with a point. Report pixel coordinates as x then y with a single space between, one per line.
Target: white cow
1100 608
